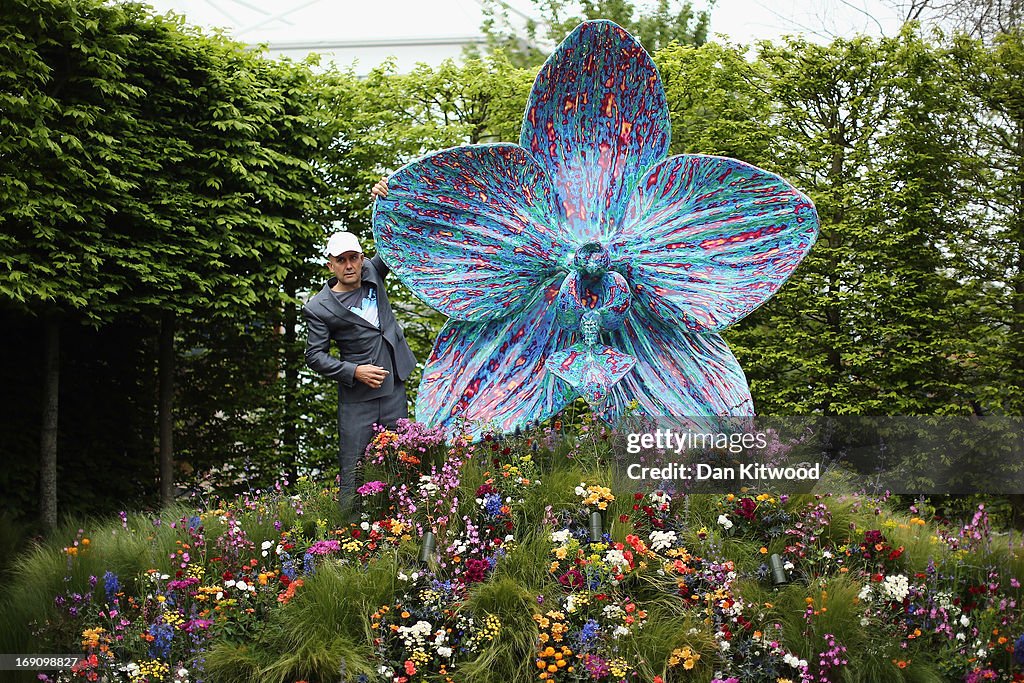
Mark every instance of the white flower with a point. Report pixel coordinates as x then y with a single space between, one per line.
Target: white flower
865 592
614 612
794 661
620 631
241 585
266 546
788 566
616 559
724 645
964 621
961 637
365 526
230 583
660 498
402 576
725 521
561 537
660 540
896 587
445 651
581 490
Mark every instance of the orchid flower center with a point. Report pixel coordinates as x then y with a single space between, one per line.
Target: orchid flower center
592 260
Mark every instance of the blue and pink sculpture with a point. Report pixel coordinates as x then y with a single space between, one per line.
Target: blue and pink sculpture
582 261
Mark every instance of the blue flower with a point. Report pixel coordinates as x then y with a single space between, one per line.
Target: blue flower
1018 651
587 230
588 634
111 584
288 569
493 504
160 646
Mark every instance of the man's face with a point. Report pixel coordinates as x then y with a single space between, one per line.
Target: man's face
348 268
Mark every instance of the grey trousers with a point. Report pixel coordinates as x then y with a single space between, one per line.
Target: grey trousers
355 429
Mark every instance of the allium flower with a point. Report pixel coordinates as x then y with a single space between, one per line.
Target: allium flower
585 230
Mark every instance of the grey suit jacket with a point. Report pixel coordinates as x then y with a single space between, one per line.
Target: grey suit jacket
359 341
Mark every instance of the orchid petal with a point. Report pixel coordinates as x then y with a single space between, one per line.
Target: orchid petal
597 118
676 374
491 375
706 240
471 230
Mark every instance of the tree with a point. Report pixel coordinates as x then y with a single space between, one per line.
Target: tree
984 19
150 172
656 24
873 131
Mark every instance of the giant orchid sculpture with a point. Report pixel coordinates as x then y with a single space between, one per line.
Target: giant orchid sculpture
582 261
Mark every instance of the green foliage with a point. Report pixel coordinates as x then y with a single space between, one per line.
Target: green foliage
656 24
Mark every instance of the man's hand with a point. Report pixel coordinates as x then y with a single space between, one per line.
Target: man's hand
380 188
371 375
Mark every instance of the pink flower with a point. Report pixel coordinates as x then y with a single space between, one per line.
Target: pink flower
371 487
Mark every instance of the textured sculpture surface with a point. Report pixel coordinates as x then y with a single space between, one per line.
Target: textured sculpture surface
583 262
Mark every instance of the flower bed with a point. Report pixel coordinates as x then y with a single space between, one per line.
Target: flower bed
270 587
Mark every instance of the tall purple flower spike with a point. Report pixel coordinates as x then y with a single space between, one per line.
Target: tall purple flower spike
583 262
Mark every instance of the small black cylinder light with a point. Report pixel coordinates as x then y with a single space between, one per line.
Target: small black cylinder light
596 526
779 577
427 547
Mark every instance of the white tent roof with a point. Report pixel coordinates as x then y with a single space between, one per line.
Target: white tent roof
368 32
347 31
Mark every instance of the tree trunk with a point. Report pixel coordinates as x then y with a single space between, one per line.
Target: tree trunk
289 431
166 405
48 437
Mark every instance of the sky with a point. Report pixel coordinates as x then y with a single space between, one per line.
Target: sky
429 30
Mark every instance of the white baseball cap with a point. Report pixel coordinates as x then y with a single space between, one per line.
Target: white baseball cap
342 242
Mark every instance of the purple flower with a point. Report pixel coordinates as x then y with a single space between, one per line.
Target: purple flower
371 487
596 666
324 548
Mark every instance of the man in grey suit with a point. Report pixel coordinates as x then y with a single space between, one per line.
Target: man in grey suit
374 359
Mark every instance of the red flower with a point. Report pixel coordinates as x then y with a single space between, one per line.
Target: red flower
571 579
